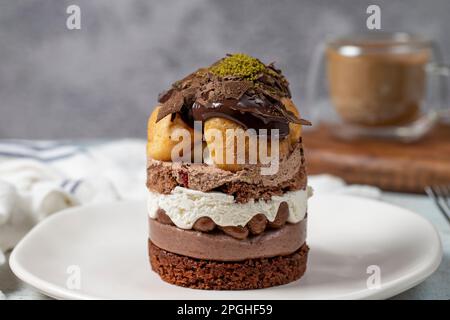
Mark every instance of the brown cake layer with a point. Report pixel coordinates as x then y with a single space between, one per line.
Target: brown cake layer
213 275
163 177
220 247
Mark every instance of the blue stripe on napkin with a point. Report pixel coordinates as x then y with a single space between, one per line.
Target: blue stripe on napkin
40 151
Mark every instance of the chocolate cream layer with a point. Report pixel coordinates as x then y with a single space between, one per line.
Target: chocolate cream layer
246 184
257 224
220 247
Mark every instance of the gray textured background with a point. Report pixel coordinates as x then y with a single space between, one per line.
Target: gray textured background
102 81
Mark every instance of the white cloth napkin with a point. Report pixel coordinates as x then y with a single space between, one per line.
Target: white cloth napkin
40 178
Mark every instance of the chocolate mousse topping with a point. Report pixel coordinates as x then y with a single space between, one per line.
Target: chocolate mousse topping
244 185
238 87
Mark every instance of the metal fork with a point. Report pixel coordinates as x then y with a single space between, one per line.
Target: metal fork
441 197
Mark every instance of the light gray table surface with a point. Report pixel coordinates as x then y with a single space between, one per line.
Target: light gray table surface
437 286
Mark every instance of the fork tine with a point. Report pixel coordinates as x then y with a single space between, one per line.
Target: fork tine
443 195
447 194
437 195
439 199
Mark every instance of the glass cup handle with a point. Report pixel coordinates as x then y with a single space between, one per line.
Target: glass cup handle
442 72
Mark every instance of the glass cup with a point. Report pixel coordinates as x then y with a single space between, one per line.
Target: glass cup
389 85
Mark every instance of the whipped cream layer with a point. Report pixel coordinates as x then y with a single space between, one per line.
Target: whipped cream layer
185 206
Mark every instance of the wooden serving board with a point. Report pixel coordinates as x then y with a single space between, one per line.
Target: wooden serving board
390 165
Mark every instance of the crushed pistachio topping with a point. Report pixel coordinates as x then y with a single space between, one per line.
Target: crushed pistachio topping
239 65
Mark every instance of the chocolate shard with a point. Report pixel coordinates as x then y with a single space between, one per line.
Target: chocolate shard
189 93
165 95
272 67
290 116
264 78
305 122
211 91
235 89
172 105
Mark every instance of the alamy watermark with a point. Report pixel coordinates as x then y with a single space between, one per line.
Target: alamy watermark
73 21
373 21
73 281
374 280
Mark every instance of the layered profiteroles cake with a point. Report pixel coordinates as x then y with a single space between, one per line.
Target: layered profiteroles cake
227 213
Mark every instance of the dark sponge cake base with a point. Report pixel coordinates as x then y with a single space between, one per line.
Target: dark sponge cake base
215 275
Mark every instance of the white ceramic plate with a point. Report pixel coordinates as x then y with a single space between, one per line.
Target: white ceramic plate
106 245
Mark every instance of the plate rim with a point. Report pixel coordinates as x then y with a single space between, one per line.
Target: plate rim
388 290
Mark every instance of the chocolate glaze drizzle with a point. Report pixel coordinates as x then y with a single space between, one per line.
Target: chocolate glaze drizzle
254 105
243 112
